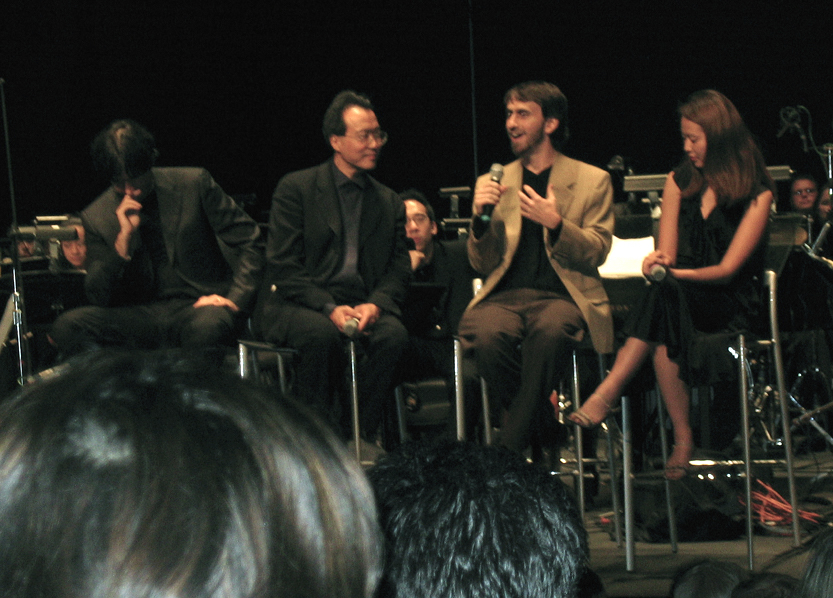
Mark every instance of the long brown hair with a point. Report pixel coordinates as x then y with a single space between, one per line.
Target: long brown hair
734 166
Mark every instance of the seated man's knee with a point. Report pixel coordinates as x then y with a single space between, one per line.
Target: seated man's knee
71 330
210 326
311 333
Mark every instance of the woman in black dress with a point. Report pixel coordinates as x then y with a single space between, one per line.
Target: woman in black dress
715 209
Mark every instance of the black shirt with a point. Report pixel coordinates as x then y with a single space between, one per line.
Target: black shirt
530 268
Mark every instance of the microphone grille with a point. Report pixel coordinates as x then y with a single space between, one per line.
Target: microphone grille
496 171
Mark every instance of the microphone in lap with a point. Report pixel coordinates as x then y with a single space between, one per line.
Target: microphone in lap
657 273
351 328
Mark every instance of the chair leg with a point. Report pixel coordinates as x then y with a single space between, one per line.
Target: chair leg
578 437
354 396
487 414
669 501
459 398
282 375
747 448
400 415
772 285
611 462
243 360
627 480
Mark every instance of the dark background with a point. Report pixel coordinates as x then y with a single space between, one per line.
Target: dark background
240 87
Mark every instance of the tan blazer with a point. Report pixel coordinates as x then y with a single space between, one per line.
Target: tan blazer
585 202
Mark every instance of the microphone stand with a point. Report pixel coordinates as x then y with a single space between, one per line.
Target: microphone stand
15 305
816 246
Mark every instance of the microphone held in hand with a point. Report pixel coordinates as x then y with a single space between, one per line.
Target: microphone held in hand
351 328
657 273
495 174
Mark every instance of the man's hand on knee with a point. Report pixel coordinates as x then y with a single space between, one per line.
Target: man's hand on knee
216 300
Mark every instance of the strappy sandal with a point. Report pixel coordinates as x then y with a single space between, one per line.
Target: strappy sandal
678 472
580 417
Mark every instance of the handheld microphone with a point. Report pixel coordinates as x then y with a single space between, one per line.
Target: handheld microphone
351 328
657 273
495 174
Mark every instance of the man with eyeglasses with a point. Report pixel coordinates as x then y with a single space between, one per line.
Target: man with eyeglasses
437 262
172 260
438 295
337 264
803 193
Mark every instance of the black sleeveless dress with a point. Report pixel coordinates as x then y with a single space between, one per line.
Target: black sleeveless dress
697 321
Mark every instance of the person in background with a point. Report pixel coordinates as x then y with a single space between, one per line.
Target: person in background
75 252
803 193
432 321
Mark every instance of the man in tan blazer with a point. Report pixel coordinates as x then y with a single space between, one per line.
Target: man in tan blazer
538 238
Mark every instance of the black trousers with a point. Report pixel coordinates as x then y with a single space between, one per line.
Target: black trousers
320 366
162 324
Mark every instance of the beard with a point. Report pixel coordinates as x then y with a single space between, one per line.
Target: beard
526 144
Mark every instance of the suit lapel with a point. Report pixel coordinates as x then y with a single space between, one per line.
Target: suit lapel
563 180
326 201
170 213
512 219
371 212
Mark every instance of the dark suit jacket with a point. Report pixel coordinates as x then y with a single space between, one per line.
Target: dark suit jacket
305 248
450 269
201 226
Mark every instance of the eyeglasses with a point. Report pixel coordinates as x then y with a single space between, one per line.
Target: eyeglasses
418 219
364 136
807 191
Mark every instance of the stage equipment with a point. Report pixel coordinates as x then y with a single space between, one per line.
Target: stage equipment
455 194
656 182
15 308
47 229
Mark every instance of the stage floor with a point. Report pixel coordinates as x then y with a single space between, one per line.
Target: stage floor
655 563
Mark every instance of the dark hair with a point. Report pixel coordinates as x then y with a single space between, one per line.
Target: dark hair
734 166
334 116
146 474
124 148
463 521
418 196
707 579
553 105
806 176
817 581
767 585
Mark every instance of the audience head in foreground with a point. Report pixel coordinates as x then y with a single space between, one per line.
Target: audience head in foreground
707 579
142 475
817 581
464 521
767 585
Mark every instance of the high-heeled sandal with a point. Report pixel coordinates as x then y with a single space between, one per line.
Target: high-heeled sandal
580 417
678 472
